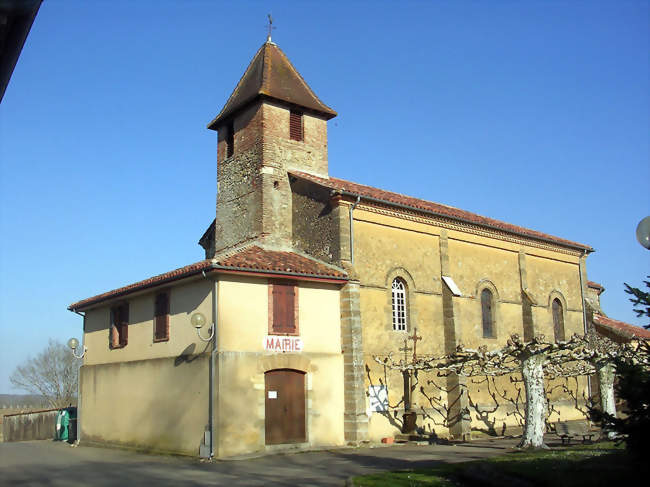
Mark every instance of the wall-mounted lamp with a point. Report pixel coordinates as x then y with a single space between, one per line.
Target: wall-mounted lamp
73 343
198 321
643 232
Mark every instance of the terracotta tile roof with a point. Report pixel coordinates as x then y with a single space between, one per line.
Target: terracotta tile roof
251 259
258 259
271 74
389 197
621 327
596 286
176 274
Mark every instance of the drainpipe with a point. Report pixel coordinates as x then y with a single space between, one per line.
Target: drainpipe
83 347
213 371
584 313
352 230
211 366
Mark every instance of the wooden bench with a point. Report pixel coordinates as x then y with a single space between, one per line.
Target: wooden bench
567 430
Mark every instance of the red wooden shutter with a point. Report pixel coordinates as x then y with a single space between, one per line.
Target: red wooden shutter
124 324
113 336
283 308
295 125
161 319
290 297
279 308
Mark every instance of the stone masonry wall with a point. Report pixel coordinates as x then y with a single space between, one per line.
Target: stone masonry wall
281 154
239 181
254 195
355 418
315 223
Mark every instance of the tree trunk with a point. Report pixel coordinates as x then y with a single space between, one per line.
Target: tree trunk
533 373
606 385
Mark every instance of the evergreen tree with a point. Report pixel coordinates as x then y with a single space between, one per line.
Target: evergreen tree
641 299
634 388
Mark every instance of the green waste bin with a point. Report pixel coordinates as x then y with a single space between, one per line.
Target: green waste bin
72 427
62 423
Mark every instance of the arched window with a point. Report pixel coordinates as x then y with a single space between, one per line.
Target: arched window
399 304
558 320
487 313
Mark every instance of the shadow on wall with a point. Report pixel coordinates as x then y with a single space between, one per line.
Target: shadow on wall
188 302
188 356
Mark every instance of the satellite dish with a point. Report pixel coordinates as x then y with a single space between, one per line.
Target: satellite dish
643 232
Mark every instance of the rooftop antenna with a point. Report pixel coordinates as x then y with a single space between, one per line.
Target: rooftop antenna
268 37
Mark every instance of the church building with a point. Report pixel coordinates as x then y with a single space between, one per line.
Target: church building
305 278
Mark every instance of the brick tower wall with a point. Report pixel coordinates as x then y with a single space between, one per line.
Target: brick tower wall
239 182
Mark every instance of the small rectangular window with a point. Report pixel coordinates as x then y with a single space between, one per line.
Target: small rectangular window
295 125
230 140
284 308
119 332
161 317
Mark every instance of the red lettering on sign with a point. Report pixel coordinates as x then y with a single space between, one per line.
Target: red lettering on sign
282 344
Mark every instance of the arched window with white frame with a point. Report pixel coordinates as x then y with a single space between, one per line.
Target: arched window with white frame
399 305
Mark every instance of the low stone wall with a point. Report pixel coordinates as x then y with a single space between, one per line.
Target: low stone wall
35 425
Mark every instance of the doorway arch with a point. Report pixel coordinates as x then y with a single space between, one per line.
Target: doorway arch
284 406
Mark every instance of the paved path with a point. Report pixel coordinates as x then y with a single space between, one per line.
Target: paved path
47 463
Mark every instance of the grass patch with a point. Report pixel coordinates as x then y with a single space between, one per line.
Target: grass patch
597 464
438 476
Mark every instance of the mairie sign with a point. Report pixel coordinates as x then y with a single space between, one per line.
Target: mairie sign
274 343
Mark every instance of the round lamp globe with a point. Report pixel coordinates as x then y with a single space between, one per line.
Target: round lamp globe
197 320
643 232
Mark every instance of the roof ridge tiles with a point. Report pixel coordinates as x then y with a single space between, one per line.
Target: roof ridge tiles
249 258
256 257
621 326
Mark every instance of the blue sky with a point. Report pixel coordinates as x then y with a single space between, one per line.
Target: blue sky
535 113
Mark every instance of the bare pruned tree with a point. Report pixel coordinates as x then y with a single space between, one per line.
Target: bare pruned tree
535 360
53 373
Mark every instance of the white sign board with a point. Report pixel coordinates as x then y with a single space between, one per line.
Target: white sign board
274 343
378 396
273 394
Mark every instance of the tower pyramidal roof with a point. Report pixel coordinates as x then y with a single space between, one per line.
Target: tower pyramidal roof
271 75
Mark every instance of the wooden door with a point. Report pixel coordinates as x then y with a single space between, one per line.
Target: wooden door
285 406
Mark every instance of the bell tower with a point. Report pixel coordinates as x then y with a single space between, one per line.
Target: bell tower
271 124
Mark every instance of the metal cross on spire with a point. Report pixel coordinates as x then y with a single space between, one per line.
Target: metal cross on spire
415 339
268 37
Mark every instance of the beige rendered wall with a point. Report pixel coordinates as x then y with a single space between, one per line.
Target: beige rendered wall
159 405
242 361
186 298
548 279
387 246
154 395
384 249
148 395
